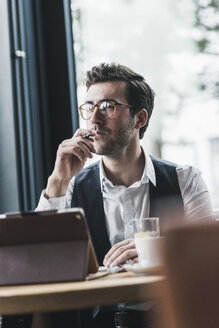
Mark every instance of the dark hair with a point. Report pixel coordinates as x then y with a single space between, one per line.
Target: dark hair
138 92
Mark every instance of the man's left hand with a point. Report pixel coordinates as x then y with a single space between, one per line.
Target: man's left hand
120 253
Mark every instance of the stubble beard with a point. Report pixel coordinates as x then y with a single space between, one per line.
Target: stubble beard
113 148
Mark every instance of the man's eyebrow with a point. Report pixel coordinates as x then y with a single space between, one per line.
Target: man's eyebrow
108 99
105 99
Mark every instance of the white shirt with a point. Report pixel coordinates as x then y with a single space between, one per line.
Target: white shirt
122 204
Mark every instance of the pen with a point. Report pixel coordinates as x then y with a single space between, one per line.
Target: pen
86 136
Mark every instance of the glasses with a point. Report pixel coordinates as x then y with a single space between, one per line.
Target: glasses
106 108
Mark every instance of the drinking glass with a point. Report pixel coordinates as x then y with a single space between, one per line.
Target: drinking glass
148 241
148 227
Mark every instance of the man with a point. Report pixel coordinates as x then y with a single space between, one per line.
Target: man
127 183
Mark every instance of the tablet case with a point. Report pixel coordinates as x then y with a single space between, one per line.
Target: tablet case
45 247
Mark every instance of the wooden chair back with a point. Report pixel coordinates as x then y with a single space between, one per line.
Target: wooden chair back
192 268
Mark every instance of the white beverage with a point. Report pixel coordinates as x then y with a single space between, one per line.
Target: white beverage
149 249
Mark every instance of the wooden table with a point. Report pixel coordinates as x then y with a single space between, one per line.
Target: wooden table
112 289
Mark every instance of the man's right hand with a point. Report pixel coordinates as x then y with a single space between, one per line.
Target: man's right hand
71 157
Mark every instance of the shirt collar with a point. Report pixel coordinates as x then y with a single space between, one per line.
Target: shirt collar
148 173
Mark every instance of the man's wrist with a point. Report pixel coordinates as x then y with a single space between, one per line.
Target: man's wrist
55 188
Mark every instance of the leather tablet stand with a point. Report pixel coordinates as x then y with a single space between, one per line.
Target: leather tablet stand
45 247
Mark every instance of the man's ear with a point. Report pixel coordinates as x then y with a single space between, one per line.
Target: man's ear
141 118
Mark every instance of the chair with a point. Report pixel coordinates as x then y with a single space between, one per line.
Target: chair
192 268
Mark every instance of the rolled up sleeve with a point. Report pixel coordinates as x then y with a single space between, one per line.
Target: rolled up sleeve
195 194
57 202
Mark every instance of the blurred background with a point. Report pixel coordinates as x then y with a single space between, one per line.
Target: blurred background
46 49
175 46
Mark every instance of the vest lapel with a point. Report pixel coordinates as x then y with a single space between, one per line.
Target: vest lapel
165 199
87 194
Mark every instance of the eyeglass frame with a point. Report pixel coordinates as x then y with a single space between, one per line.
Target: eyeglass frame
98 104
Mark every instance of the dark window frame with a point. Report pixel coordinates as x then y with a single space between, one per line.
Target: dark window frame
44 90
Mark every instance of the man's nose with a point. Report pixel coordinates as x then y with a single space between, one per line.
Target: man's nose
96 116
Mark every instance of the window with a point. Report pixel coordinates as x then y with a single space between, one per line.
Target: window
174 45
39 104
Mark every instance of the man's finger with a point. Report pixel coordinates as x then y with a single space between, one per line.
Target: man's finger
119 252
127 255
115 247
66 151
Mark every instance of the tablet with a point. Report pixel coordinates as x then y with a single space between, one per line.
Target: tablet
44 247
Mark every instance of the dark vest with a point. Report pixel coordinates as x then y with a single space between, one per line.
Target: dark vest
165 201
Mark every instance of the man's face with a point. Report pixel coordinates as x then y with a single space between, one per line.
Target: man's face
112 134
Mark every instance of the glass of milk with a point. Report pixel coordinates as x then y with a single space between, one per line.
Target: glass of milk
148 242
